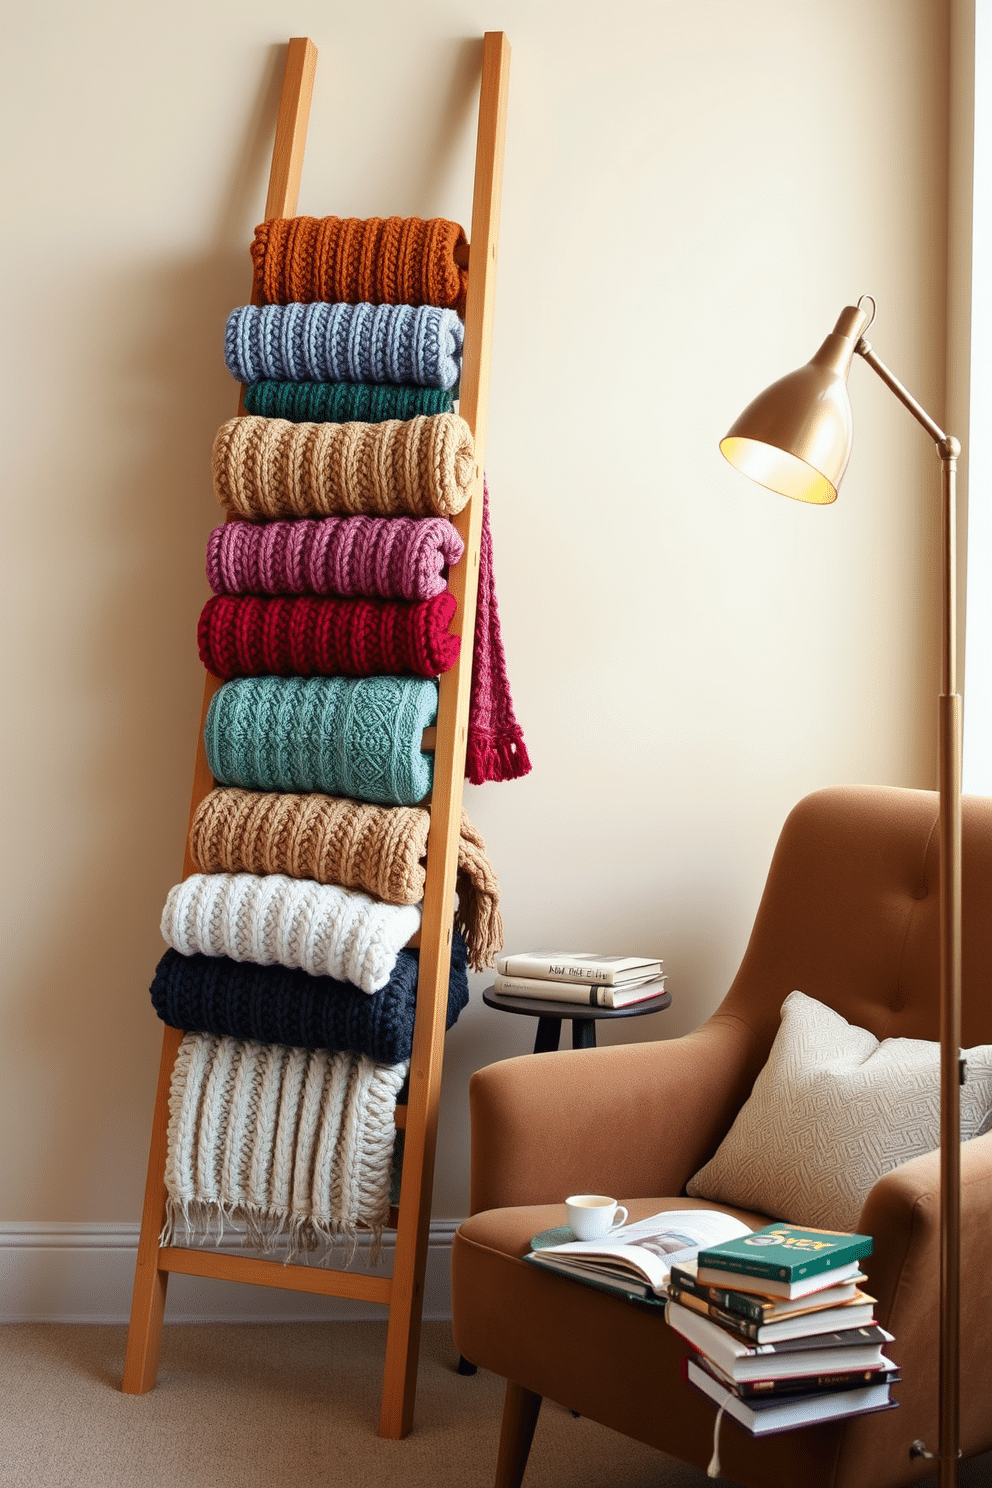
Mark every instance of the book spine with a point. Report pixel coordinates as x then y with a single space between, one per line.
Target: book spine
738 1303
812 1384
740 1327
588 994
559 970
770 1270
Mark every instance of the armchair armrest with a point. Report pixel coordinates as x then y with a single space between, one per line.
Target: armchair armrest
902 1214
633 1120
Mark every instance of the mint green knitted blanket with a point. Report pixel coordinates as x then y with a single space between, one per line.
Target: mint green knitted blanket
357 737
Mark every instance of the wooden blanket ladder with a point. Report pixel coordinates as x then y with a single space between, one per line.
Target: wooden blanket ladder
402 1292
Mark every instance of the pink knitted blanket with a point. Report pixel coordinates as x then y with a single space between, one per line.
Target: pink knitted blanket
355 557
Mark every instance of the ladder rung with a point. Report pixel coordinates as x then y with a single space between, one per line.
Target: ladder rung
322 1280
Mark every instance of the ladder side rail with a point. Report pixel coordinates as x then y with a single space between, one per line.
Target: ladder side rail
151 1280
402 1346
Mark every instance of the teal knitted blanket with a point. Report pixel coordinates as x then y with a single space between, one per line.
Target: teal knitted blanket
358 737
344 402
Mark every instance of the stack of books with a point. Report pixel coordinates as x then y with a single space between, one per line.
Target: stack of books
784 1336
579 976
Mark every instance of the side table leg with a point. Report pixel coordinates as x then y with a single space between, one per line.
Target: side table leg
583 1033
548 1035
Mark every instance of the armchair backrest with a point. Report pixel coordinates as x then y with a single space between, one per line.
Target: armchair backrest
849 915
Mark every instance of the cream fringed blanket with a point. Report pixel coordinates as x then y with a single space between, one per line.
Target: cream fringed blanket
276 920
379 849
296 1144
423 467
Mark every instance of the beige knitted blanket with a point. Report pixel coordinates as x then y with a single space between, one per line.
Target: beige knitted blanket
421 467
378 849
296 1145
275 920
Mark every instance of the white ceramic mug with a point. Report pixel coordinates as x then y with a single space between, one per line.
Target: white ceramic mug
593 1215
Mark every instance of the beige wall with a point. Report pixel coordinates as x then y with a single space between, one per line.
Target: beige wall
692 194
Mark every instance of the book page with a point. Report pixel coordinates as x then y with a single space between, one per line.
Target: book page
652 1246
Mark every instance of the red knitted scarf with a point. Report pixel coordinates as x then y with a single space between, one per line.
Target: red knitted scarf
496 748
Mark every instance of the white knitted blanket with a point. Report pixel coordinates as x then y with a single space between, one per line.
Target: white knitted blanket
295 1144
271 919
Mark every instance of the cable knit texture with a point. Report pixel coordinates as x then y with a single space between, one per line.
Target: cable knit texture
295 1144
212 994
399 344
244 636
344 402
385 260
424 467
346 737
378 557
280 921
378 849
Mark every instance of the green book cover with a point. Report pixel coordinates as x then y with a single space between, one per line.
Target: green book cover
786 1252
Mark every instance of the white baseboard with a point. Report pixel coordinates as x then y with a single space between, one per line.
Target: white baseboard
83 1273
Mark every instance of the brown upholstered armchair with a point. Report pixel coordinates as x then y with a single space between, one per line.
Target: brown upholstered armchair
848 916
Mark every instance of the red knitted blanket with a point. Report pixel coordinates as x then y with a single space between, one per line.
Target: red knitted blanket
306 636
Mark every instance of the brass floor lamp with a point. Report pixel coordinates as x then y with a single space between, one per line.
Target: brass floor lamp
795 438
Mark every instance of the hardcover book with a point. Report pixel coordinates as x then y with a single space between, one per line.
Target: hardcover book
855 1314
751 1304
759 1392
851 1348
770 1288
785 1252
578 966
786 1415
593 994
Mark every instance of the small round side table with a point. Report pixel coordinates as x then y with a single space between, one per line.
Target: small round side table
551 1014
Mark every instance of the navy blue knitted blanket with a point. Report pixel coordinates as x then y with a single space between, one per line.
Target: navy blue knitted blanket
277 1005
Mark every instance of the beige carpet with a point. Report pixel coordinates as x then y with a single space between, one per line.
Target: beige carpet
284 1406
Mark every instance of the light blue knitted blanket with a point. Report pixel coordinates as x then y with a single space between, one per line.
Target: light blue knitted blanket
358 737
345 343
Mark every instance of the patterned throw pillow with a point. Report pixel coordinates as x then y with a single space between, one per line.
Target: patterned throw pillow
830 1113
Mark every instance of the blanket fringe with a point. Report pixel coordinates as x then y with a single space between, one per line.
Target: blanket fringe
302 1237
477 915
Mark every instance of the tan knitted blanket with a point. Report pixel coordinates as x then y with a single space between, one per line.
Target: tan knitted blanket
378 849
421 467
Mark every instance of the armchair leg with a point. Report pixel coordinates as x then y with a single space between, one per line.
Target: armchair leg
520 1411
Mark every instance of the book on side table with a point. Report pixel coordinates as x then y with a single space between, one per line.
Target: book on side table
589 967
590 994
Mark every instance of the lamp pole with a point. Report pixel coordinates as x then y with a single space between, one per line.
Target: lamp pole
951 1071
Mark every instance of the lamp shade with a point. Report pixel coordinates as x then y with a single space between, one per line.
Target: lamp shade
795 437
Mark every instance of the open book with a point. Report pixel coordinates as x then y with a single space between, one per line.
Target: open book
636 1259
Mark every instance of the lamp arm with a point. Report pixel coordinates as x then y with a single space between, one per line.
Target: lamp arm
864 349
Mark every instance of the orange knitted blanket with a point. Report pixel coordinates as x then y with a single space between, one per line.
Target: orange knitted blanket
348 260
